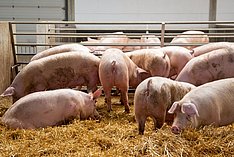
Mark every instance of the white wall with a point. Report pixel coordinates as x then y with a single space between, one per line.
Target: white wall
151 10
141 10
225 11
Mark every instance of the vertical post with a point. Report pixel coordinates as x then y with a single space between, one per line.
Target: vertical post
14 69
71 10
212 10
7 59
163 34
212 16
41 28
50 29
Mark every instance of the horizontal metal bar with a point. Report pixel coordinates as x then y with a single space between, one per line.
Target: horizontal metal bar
113 35
86 34
121 22
110 44
25 54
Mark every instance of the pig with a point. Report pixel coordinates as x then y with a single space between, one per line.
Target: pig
64 70
132 48
208 104
50 108
154 96
91 41
116 69
191 37
115 38
153 61
150 39
179 56
209 67
209 47
61 49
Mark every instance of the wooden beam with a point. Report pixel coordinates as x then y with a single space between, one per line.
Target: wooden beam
7 57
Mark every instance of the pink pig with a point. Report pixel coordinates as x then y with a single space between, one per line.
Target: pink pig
153 61
61 49
209 47
116 69
50 108
154 96
150 39
208 67
191 37
115 38
211 103
178 56
65 70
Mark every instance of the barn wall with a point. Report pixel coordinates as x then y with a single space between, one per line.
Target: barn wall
141 10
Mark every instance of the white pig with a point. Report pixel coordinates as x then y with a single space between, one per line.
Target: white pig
154 96
211 103
61 49
50 108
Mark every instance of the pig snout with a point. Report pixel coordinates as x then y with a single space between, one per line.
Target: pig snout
175 129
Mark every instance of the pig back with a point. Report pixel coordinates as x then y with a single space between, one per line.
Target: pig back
61 49
151 60
209 47
209 67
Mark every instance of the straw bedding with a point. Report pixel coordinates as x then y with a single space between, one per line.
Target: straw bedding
116 134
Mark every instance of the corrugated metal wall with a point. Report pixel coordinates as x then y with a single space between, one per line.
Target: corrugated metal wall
26 10
31 10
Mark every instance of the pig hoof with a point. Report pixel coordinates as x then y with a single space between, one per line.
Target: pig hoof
141 132
127 111
175 130
109 110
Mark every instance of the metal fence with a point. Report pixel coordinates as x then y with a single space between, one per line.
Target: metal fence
54 33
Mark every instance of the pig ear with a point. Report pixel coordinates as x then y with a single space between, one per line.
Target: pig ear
8 92
144 74
190 109
96 94
174 106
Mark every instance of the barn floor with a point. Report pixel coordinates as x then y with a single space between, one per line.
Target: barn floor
115 134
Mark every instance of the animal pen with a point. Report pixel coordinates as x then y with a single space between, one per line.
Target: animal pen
51 33
116 133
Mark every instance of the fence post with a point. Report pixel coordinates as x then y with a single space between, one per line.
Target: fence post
44 39
162 34
7 56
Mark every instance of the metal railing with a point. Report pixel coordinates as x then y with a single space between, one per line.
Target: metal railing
52 33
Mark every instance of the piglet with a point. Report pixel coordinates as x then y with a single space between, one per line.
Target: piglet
50 108
211 103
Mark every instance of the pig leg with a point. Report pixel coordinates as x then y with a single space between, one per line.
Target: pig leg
158 122
141 123
124 100
108 99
